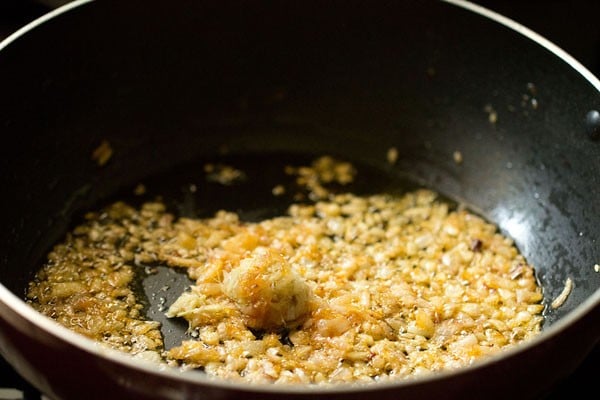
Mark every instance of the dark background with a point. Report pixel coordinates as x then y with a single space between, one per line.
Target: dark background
572 25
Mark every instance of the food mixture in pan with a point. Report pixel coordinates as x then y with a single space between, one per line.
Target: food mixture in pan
344 288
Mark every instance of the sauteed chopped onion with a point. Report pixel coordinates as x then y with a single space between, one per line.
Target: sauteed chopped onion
347 288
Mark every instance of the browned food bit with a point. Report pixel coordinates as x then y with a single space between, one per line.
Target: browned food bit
476 245
324 170
458 157
223 174
392 155
562 297
102 153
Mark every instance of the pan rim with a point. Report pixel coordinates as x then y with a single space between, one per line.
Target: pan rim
530 34
465 4
40 20
59 332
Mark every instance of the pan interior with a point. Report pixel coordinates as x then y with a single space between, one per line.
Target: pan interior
357 82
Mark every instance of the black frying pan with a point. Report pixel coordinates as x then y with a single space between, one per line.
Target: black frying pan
172 86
